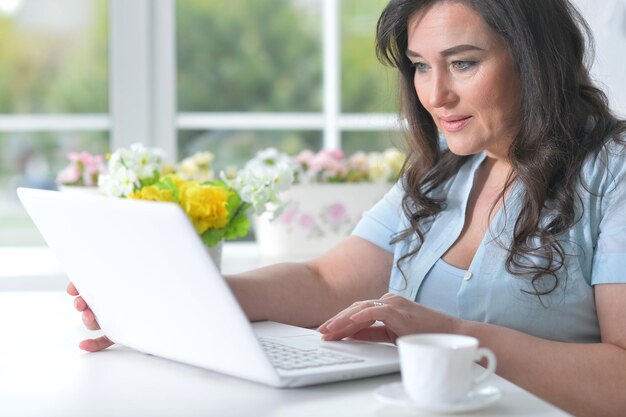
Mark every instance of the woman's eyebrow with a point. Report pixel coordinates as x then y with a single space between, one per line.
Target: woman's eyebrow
447 52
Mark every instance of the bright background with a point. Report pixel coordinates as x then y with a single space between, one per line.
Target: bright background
229 76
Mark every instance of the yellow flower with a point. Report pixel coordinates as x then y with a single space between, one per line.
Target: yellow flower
180 184
395 159
206 205
168 169
152 193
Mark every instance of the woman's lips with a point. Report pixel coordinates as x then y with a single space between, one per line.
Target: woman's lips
455 124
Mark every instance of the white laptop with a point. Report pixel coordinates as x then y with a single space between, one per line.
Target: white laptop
151 283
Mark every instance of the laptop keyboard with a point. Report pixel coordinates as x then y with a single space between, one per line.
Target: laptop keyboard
289 357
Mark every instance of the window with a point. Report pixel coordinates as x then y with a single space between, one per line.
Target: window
231 76
54 81
292 74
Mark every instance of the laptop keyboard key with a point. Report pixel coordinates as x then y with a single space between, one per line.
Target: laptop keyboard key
289 357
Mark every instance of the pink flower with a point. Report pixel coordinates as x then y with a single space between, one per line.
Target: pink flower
306 221
68 175
337 213
358 162
329 164
304 158
83 169
287 217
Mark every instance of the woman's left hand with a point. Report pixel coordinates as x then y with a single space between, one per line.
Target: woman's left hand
398 315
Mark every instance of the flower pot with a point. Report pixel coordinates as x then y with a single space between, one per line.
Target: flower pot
316 218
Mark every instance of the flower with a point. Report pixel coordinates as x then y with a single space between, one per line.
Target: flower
131 169
332 166
262 179
215 210
206 205
395 159
220 210
84 169
197 167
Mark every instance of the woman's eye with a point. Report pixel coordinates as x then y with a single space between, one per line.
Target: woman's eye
420 67
462 65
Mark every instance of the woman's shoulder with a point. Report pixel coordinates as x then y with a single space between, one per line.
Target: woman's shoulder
607 166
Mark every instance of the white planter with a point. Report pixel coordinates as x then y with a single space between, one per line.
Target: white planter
317 217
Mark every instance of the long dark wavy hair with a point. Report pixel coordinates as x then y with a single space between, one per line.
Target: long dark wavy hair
564 117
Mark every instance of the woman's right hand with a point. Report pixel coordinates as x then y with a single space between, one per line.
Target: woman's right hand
90 345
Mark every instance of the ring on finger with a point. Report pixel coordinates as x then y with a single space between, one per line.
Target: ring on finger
378 304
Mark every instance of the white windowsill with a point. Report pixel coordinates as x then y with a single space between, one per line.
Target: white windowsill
37 268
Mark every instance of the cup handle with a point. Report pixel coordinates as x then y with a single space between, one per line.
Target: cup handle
491 364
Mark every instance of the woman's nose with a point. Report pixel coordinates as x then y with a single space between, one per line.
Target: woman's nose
441 92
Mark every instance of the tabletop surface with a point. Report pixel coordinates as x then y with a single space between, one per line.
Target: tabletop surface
43 373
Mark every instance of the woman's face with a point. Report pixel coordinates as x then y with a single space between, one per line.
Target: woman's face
465 78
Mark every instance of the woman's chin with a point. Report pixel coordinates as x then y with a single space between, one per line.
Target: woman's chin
463 150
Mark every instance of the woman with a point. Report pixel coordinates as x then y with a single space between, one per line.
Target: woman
511 231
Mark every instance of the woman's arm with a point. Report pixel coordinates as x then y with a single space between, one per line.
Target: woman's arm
583 379
306 294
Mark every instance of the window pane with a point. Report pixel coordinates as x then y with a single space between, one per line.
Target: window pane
366 85
236 147
33 160
242 55
53 56
370 141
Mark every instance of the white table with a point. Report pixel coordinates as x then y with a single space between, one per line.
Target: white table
43 373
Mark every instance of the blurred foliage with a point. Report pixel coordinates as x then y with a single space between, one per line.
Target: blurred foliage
366 85
43 72
370 141
241 55
233 55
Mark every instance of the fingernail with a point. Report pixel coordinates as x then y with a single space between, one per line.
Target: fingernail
332 326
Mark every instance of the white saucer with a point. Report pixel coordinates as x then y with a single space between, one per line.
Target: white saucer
474 400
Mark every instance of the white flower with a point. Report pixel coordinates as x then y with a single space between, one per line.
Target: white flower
128 167
143 161
262 179
197 167
118 183
269 157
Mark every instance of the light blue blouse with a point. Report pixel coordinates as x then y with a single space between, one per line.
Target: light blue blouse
440 287
596 246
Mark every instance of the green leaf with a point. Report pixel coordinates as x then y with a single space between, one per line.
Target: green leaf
152 180
213 236
233 205
215 183
239 226
167 183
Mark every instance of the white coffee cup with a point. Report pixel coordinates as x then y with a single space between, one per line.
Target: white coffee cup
439 368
